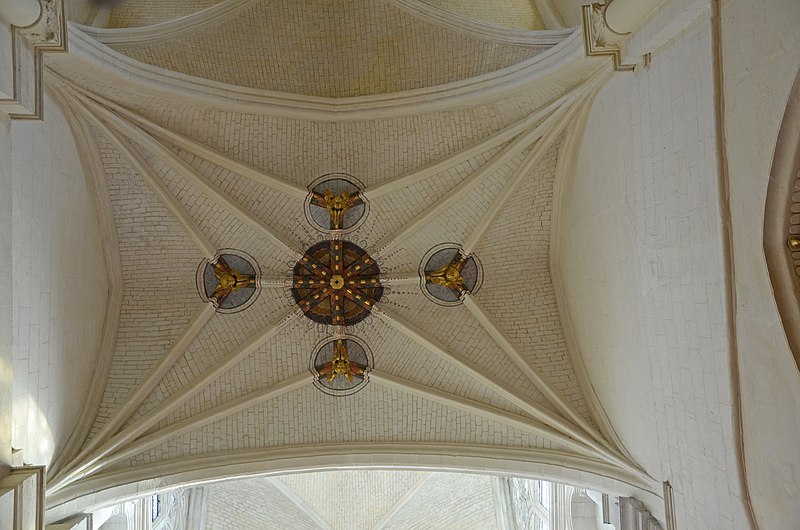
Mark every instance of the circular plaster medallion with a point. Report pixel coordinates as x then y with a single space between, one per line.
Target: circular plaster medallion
447 274
341 365
336 203
336 283
231 281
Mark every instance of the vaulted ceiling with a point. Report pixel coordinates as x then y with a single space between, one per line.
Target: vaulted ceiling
185 167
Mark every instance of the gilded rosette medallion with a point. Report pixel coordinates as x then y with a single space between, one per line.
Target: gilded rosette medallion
336 203
231 281
447 274
341 365
336 283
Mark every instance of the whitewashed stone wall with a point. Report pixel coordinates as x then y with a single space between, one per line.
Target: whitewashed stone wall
642 268
761 49
59 285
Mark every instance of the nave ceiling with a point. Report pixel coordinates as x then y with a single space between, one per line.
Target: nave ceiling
181 176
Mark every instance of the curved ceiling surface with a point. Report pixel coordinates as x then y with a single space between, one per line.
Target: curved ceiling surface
325 49
281 293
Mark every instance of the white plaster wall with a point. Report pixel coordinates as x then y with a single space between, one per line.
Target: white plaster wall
6 200
761 52
59 285
642 268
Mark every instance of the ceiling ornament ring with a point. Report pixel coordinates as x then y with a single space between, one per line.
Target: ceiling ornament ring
514 79
231 281
447 274
336 203
340 365
336 283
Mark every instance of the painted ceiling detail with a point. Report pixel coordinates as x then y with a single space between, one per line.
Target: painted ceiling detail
231 281
447 274
452 204
336 283
340 365
336 202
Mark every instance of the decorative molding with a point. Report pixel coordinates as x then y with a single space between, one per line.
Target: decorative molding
473 407
219 13
47 34
728 249
402 182
532 76
117 486
554 125
599 39
634 515
94 461
782 222
157 33
669 506
562 431
482 30
17 484
137 396
188 144
148 174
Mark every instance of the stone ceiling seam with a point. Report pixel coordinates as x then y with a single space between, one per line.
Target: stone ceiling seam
528 462
507 133
538 149
471 407
140 393
201 150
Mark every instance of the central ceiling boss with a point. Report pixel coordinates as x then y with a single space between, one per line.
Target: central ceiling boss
336 283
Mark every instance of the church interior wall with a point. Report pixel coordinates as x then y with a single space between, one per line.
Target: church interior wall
59 285
645 208
642 268
759 45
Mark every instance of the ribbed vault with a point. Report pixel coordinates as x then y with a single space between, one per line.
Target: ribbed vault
356 500
326 49
187 385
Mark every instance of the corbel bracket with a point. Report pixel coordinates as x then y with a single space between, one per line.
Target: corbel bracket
599 38
22 99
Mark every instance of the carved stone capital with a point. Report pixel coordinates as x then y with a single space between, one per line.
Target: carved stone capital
599 39
21 94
